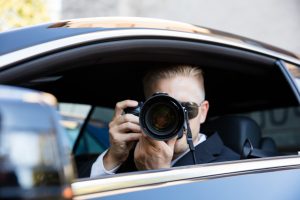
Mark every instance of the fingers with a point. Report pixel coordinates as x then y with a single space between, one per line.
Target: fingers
125 132
120 106
152 154
131 137
124 125
150 141
129 126
156 143
171 142
124 118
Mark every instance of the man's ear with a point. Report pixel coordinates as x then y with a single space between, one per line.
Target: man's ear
203 109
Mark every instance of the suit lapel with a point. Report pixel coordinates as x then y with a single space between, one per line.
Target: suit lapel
205 152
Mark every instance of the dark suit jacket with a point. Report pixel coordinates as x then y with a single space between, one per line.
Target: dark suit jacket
209 151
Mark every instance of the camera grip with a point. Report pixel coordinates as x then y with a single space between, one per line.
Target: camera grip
134 110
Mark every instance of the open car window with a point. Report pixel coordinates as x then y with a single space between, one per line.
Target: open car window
90 136
236 81
280 126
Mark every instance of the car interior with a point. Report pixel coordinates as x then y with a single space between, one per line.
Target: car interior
239 84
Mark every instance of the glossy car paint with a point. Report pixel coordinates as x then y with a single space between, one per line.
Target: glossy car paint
274 185
31 36
37 40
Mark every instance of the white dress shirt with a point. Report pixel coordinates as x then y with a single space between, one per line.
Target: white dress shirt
98 168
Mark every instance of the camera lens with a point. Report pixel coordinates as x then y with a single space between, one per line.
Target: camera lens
162 117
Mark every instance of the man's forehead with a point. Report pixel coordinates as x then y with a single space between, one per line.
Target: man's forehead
181 88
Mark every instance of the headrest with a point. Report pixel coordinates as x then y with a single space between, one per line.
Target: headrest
234 130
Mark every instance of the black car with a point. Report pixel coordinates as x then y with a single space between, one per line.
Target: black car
35 160
90 64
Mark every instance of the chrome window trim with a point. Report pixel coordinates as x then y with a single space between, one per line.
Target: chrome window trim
289 77
36 50
140 181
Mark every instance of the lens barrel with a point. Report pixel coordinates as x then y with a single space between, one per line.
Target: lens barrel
161 117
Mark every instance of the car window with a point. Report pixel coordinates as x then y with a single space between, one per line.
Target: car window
282 125
94 137
72 119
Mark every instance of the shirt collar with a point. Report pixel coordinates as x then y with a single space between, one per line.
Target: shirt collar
201 138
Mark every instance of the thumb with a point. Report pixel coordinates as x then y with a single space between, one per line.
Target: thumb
171 142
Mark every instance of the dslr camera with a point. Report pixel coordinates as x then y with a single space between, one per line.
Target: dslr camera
161 117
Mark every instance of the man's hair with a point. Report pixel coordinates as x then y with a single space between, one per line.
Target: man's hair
168 72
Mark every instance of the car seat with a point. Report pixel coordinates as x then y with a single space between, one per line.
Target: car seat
235 130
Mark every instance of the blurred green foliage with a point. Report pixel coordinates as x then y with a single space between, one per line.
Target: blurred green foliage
18 13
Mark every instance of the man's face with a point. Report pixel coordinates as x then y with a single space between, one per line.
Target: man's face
185 89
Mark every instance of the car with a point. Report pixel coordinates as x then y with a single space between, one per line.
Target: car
90 64
35 159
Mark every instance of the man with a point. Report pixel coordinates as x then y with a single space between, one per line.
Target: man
132 150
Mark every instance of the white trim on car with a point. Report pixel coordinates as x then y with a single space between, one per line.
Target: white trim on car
87 188
16 56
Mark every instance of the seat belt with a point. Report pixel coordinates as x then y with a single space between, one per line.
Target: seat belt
249 151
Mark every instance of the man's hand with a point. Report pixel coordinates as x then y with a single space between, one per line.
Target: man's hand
153 154
124 130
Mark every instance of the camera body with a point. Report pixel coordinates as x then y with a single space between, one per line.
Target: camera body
161 116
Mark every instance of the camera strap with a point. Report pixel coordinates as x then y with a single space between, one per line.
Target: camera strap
189 137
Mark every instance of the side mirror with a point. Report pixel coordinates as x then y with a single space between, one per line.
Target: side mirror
34 160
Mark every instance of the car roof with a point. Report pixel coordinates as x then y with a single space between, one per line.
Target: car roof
34 35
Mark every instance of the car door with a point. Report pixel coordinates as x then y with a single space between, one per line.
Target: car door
260 179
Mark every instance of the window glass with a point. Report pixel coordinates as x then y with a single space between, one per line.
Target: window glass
95 138
282 125
73 116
